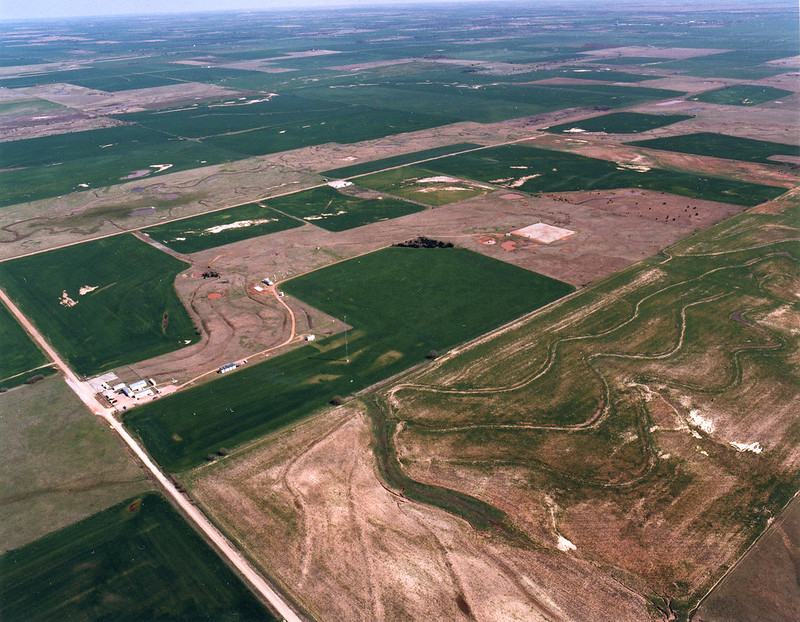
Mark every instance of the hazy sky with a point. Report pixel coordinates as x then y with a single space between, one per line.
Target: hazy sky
22 9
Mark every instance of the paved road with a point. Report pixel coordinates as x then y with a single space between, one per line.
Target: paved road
86 395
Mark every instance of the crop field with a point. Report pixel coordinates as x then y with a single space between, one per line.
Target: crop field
402 303
739 64
199 233
59 463
364 168
333 210
103 303
722 146
138 560
619 123
344 125
541 170
417 184
495 102
19 354
741 95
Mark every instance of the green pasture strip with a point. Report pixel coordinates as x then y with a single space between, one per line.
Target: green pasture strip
330 209
138 560
132 314
560 171
722 146
399 160
741 95
627 60
17 352
621 123
199 233
401 302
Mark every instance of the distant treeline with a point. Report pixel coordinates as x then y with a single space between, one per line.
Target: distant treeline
422 242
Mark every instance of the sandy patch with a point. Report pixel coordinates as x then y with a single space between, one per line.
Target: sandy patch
86 289
544 233
216 295
510 196
754 447
704 423
66 301
340 183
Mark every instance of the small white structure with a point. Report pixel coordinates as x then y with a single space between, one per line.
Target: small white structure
339 183
152 382
226 368
118 387
143 393
127 391
267 281
311 337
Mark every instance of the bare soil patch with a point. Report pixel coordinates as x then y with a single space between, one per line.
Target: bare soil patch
652 52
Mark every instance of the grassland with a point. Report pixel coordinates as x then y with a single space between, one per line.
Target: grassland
407 158
59 463
742 64
333 210
722 146
544 170
243 222
18 354
103 303
138 560
620 123
633 415
741 95
402 303
417 184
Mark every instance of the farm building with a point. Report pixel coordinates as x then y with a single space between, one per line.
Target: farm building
226 368
143 393
138 385
267 281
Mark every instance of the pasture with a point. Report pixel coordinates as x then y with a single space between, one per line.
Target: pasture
619 123
59 463
102 303
537 170
138 560
400 302
723 146
333 210
199 233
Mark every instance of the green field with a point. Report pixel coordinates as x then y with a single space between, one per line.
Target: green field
559 171
407 158
18 353
401 302
722 146
417 184
620 123
59 463
132 314
199 233
742 64
741 95
138 560
330 209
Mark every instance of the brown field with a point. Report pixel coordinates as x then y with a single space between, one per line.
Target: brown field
353 550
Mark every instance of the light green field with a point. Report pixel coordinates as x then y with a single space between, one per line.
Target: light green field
59 463
417 184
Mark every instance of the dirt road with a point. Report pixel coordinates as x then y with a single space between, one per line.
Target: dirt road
223 545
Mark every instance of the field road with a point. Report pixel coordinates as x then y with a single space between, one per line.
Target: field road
224 546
